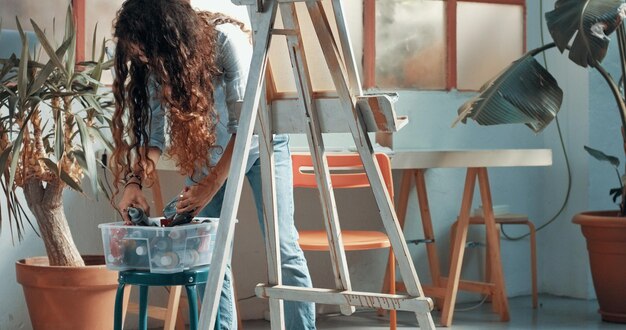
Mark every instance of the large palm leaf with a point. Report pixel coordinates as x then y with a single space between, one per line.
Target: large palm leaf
589 22
524 93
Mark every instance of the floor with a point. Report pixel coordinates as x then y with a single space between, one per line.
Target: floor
553 313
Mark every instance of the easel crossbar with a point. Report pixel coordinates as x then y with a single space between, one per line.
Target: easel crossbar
352 298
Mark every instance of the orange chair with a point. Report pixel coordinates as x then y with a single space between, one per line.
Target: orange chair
346 171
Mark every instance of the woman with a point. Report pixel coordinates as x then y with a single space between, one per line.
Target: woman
188 69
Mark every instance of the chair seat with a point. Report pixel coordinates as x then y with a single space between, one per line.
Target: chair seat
316 240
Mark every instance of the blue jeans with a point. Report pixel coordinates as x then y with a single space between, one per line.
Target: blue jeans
298 315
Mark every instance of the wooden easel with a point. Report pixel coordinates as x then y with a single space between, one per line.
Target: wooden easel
347 110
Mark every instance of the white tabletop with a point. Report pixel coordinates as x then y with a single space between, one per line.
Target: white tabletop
416 159
419 159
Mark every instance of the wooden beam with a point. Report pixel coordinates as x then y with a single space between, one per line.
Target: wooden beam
369 44
79 10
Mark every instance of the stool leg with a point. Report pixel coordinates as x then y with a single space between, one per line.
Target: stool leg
119 307
143 307
533 262
192 298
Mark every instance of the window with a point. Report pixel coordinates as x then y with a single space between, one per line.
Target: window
45 13
440 44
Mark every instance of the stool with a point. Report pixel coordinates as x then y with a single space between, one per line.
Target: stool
143 278
511 219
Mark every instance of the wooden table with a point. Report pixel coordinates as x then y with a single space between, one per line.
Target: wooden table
413 165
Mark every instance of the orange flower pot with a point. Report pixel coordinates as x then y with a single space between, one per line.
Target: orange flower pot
605 232
68 297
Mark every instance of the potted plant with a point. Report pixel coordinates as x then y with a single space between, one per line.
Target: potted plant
51 115
527 93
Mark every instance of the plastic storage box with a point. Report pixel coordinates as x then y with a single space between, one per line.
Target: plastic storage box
158 249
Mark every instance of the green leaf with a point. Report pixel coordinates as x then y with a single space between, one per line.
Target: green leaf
616 193
93 42
22 73
41 36
90 156
12 106
93 102
98 134
80 157
96 73
524 93
43 75
601 156
8 65
70 182
70 35
59 143
63 174
589 23
4 156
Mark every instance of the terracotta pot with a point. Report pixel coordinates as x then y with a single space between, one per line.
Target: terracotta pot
68 297
605 232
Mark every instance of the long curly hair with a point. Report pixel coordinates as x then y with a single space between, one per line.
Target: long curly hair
168 44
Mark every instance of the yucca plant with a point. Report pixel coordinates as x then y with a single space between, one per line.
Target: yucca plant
527 93
51 115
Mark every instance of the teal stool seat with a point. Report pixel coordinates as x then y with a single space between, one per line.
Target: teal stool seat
144 279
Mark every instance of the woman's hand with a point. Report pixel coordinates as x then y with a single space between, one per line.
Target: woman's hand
132 197
194 198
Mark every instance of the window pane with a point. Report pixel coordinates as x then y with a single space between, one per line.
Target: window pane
410 44
42 12
489 38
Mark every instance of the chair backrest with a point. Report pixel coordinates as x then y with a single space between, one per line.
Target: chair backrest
346 171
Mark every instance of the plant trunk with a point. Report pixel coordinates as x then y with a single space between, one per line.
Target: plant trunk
46 203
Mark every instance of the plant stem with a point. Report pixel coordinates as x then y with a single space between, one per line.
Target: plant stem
618 99
621 42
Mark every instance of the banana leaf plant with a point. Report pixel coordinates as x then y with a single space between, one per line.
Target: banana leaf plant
51 115
526 93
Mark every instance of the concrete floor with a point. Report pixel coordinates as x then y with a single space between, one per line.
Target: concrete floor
553 313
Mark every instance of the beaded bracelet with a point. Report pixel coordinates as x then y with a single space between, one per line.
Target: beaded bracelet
132 178
132 175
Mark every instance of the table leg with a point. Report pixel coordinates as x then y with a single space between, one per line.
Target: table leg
427 226
458 249
493 240
401 207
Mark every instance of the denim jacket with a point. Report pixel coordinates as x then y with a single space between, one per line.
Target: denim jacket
233 58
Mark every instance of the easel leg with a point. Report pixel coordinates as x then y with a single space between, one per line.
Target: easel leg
270 217
226 227
318 153
458 249
364 147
